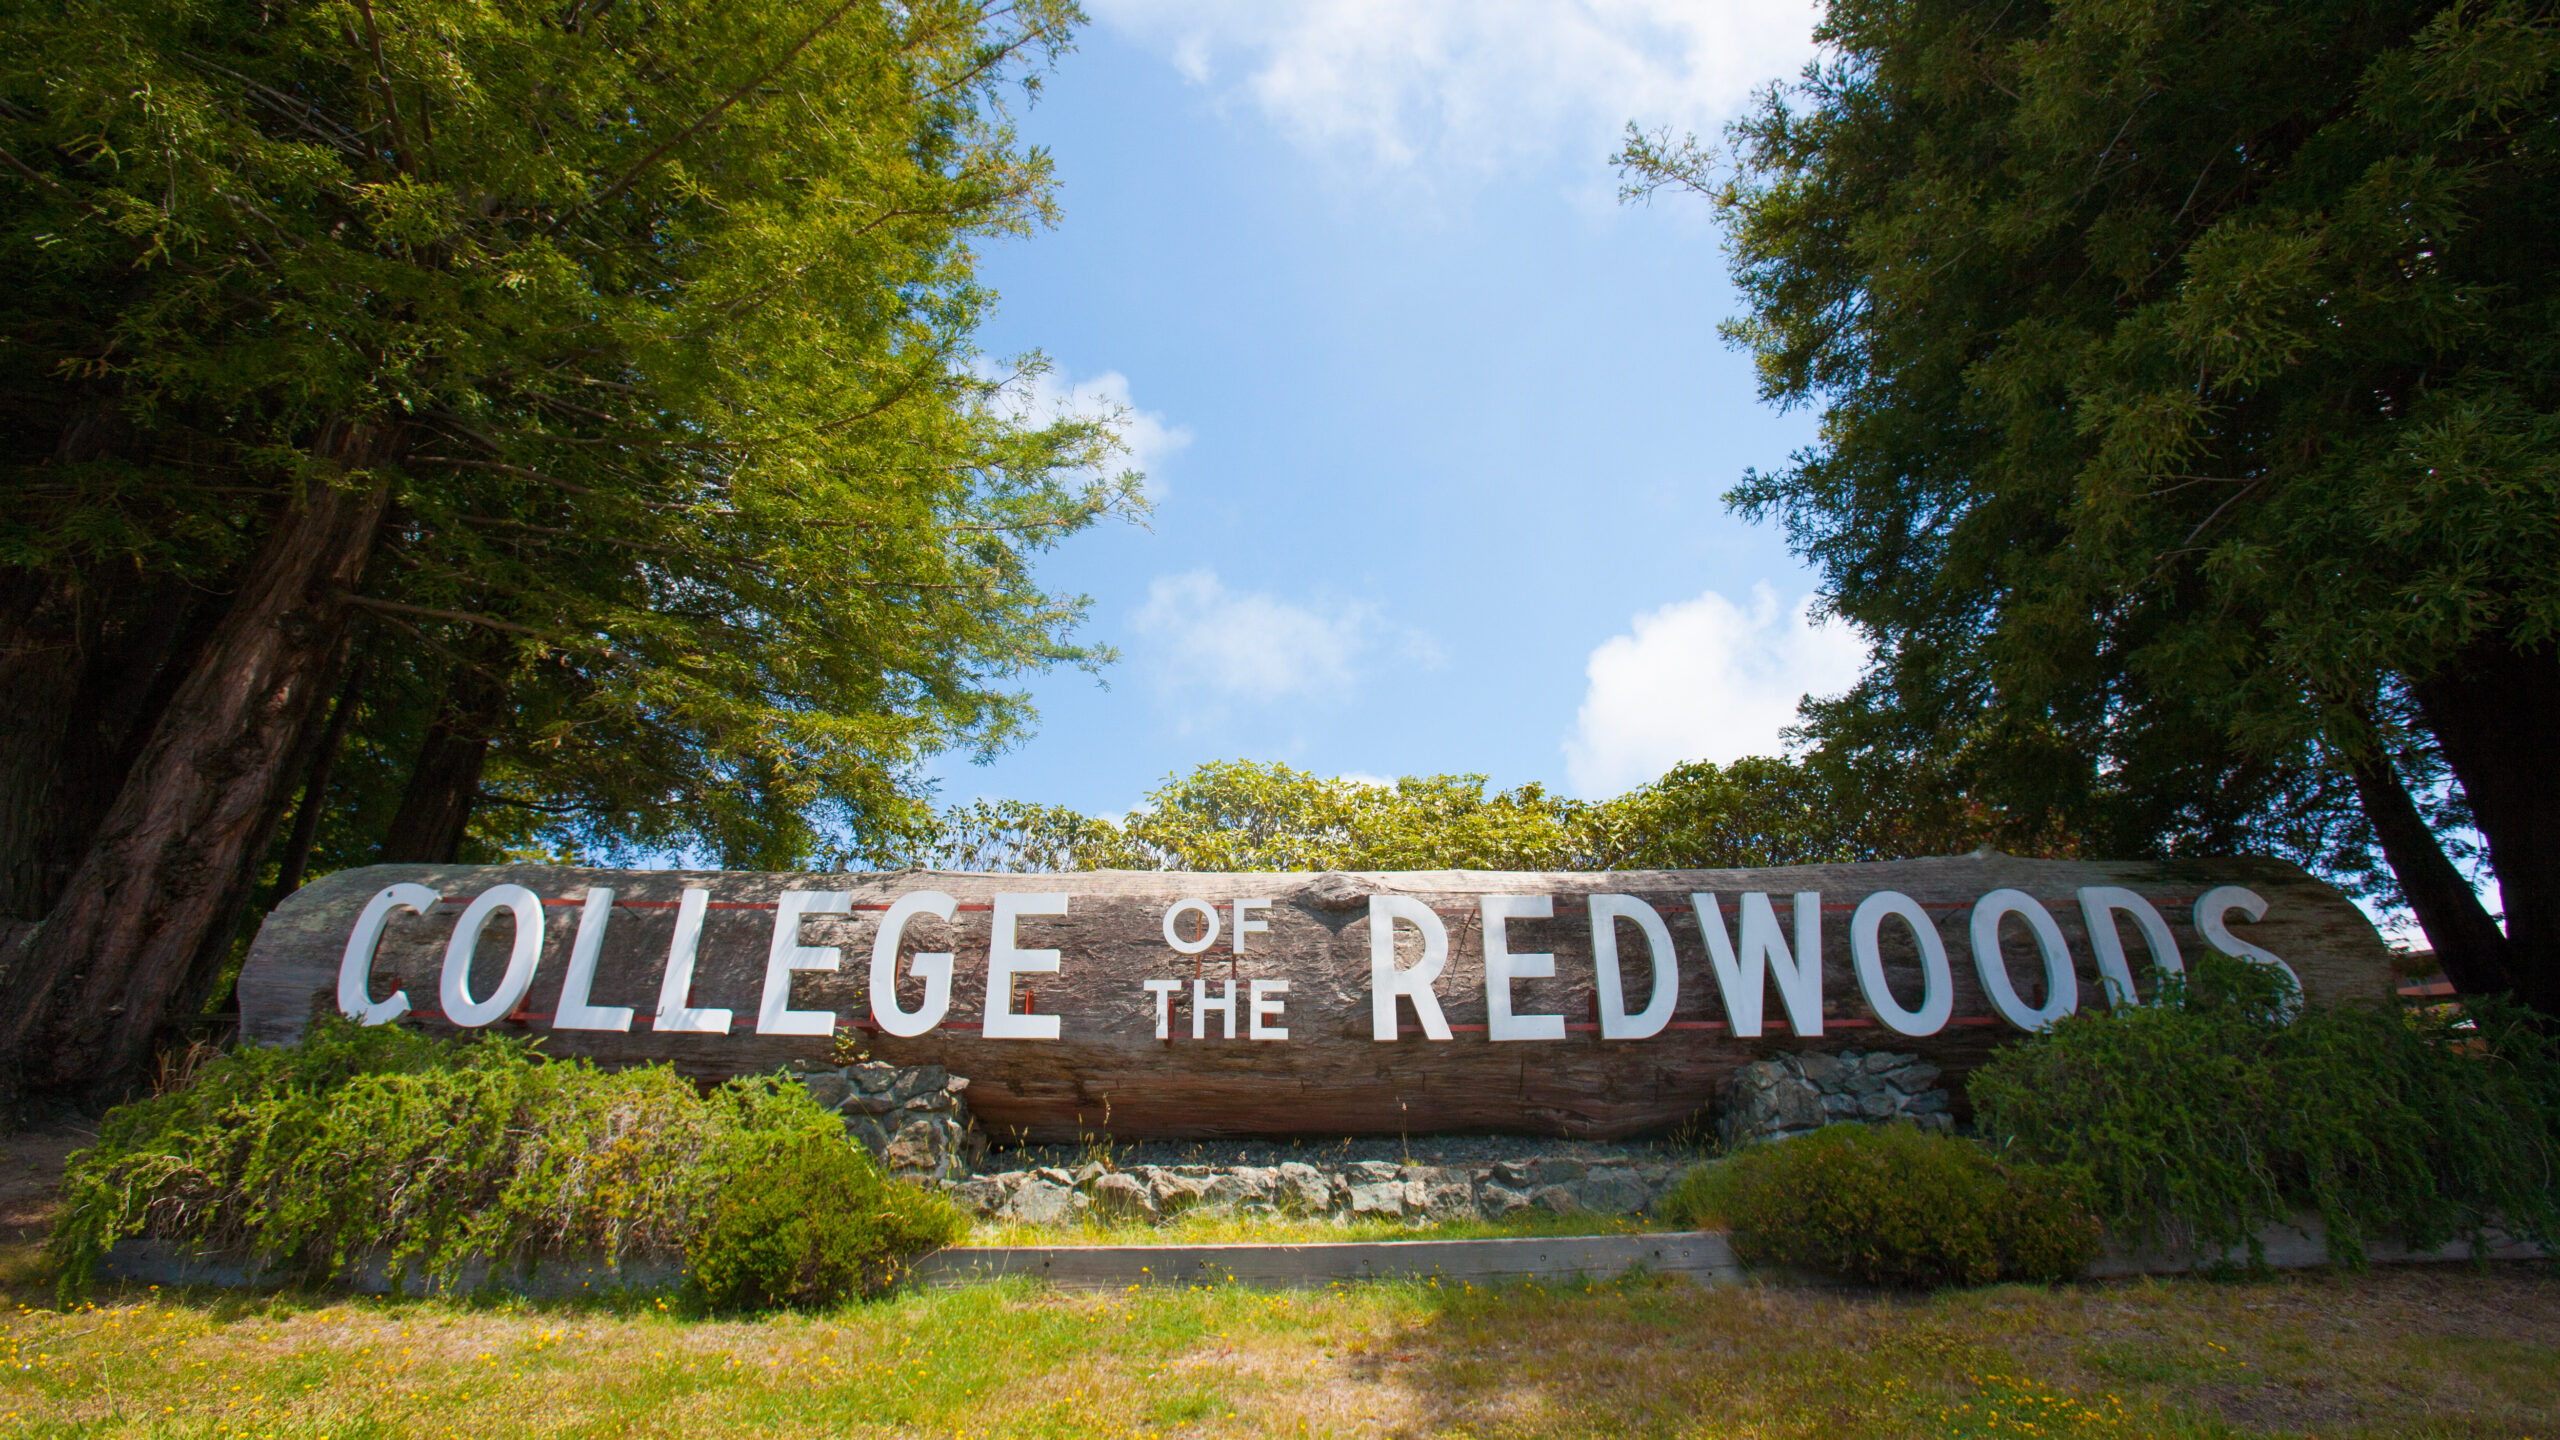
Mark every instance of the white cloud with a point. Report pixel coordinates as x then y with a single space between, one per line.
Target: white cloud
1475 82
1702 679
1149 439
1251 646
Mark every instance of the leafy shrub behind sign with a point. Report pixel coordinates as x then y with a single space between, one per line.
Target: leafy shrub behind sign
1893 1205
2205 1117
430 1155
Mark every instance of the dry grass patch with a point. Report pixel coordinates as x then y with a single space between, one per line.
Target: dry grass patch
2407 1353
2440 1352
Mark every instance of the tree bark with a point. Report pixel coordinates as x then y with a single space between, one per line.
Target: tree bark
315 785
2466 937
444 786
228 930
2495 712
86 667
54 622
177 850
40 674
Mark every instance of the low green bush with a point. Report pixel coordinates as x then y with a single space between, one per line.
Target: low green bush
2205 1117
804 1222
1893 1205
436 1155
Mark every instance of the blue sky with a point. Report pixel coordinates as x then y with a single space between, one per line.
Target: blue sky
1436 429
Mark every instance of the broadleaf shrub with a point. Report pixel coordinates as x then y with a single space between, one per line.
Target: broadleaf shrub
805 1222
2205 1117
1894 1205
436 1155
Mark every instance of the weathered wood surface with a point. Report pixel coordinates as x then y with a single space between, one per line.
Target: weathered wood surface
1108 1072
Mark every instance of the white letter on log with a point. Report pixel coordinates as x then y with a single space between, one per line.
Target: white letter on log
455 991
1163 990
775 1016
2061 987
1208 914
1501 967
1265 1007
1244 927
2213 904
675 988
1937 982
355 968
1201 1005
1764 955
1615 1022
2098 907
574 1013
1006 960
1386 982
933 968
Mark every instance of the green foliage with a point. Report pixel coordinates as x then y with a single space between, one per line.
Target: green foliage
806 1220
365 1143
656 324
1691 1202
1894 1205
2205 1117
1765 810
1238 815
2190 390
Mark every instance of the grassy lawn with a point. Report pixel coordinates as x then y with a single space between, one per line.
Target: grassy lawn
2434 1352
2428 1351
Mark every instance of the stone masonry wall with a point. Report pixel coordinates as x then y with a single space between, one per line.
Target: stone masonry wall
1359 1189
913 1119
1796 1094
916 1120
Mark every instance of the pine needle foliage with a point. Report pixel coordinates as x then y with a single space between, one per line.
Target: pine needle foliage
2189 383
2205 1117
703 506
431 1157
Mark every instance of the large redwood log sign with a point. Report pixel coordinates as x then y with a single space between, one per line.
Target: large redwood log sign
1169 1005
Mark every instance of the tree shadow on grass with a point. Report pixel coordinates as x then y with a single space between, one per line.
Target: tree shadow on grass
2474 1351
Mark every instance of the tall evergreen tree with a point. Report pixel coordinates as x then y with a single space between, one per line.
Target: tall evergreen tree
2190 382
592 380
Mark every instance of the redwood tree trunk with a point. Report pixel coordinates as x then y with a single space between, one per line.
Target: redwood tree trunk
315 784
444 786
2466 937
55 627
228 930
40 671
86 666
2495 714
176 851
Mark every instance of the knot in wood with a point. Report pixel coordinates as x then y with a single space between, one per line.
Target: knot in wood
1333 890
